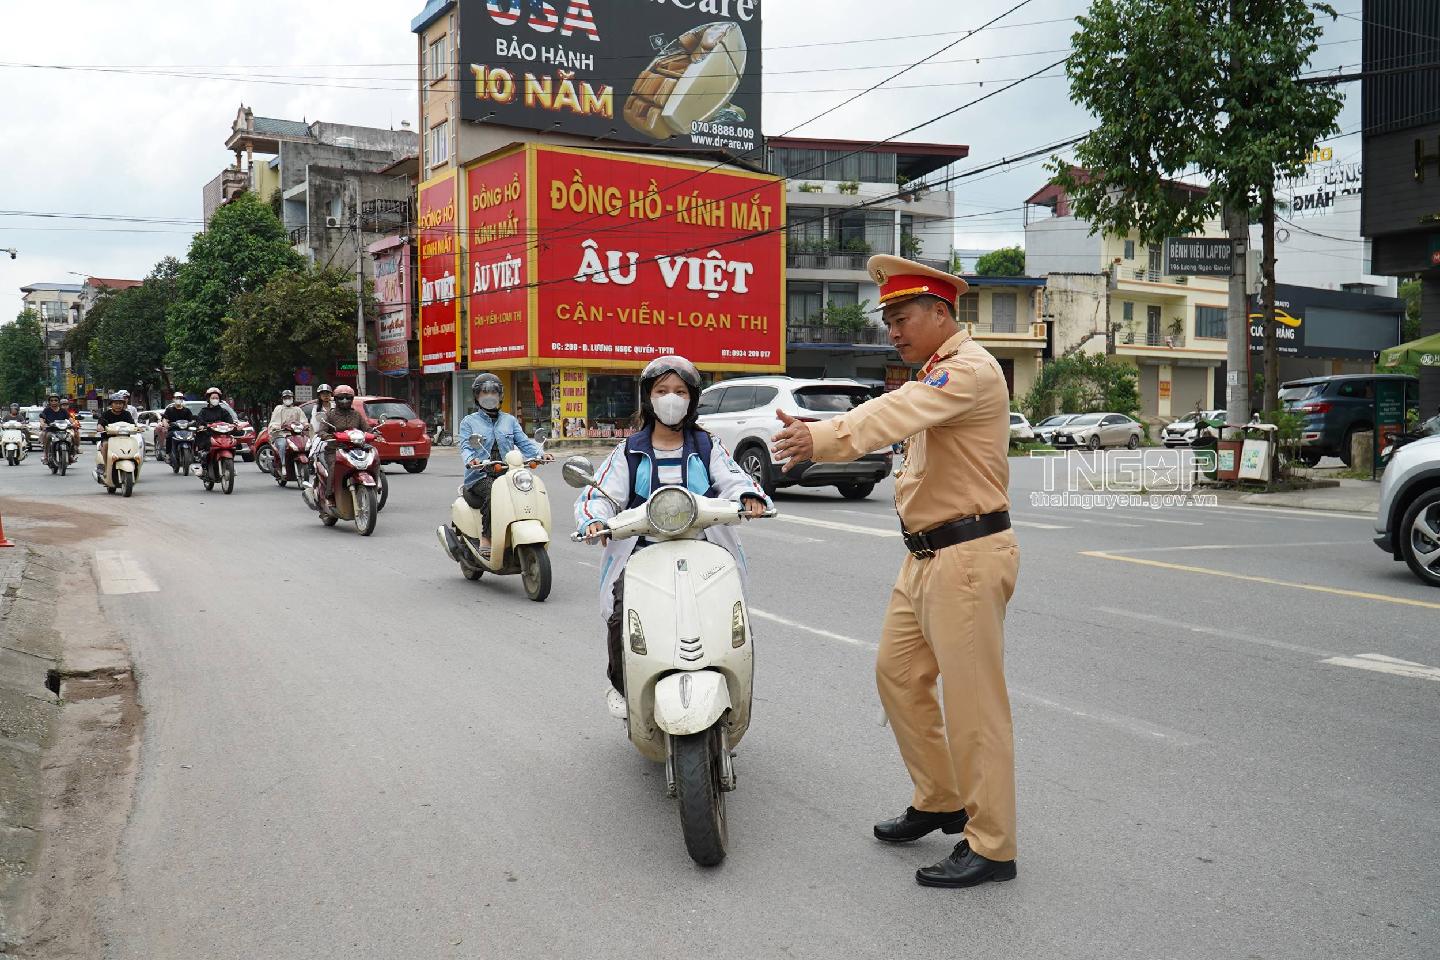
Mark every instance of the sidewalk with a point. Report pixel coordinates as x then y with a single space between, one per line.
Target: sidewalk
1351 496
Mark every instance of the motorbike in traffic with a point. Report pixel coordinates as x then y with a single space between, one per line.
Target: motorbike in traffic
14 442
349 490
217 465
688 650
297 455
519 527
118 468
182 446
62 447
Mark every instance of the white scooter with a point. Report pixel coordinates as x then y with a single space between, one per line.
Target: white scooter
519 528
689 660
14 443
119 470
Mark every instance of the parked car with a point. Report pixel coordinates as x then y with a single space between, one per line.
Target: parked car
89 426
34 426
1407 524
1020 429
1045 429
401 436
1336 408
1096 430
1182 432
741 412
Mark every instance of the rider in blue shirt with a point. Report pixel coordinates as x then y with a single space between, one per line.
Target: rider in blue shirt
487 435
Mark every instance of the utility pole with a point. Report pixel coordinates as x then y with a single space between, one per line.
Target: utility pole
362 353
1267 309
1237 333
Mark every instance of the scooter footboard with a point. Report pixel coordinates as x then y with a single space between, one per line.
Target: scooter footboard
690 701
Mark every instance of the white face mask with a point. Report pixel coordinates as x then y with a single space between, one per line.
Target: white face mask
489 401
288 402
671 408
213 401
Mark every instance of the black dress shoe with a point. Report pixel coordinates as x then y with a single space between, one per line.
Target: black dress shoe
965 868
914 824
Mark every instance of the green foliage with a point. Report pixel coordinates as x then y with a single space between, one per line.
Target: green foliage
277 204
1410 326
1005 262
850 187
77 339
303 317
1179 85
1083 383
24 376
128 346
910 246
810 188
243 248
850 318
857 245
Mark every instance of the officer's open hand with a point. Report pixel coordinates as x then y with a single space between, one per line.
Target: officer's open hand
793 443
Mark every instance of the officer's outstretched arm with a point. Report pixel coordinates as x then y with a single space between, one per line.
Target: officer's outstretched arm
946 395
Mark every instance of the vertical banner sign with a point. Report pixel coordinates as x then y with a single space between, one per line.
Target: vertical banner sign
497 275
574 402
439 274
638 258
897 376
392 293
1389 413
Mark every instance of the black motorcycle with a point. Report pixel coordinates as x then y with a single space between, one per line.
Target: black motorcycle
62 447
182 446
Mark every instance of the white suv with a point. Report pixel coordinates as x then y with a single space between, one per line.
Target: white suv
741 412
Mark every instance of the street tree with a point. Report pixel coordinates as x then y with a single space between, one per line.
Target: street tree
1005 262
244 246
1083 383
300 318
77 340
1410 326
24 376
1194 86
129 346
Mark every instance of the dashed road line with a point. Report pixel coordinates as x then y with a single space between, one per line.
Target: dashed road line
1379 663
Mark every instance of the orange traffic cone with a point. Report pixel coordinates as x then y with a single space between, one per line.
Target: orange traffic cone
3 541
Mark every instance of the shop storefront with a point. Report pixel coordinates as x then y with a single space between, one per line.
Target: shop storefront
578 267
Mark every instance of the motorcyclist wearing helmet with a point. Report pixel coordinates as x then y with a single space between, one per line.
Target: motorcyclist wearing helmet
177 412
670 450
340 418
488 434
54 412
213 412
115 413
284 414
324 400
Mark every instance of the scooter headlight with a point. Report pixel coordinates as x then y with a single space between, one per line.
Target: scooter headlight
737 625
637 635
671 511
524 480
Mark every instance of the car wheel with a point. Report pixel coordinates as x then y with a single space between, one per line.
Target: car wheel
1094 442
755 461
1419 536
1345 451
1133 442
415 466
855 491
1309 457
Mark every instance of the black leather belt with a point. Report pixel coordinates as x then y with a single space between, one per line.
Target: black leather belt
923 545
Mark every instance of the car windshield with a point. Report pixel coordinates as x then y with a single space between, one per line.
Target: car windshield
1057 420
388 410
1086 419
831 398
1015 418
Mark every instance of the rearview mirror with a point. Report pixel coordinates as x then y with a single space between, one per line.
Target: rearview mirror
578 472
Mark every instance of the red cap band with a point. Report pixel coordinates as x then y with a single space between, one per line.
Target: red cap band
904 286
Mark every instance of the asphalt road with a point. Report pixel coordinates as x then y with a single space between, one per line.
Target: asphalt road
350 751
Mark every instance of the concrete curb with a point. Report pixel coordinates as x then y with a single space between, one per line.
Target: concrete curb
1302 501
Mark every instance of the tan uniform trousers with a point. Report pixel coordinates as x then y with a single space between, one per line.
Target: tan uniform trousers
947 619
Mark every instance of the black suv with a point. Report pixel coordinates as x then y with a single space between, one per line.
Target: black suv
1336 408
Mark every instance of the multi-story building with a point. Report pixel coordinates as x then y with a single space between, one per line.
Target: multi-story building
1111 294
55 304
847 200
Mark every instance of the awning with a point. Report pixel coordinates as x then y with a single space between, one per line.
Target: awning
1424 352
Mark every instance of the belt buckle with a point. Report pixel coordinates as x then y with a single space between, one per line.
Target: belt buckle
924 550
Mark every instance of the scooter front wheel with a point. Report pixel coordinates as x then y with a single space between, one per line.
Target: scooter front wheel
127 484
227 477
365 510
696 761
535 571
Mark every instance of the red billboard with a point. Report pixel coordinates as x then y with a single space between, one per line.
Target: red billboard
497 275
392 297
439 238
635 258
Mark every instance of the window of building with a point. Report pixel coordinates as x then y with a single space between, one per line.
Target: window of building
335 208
805 228
863 231
1002 312
805 164
803 302
440 143
1127 311
842 294
1157 262
1210 322
968 310
436 67
1129 249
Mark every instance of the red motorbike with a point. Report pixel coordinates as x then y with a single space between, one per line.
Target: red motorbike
350 490
217 465
297 455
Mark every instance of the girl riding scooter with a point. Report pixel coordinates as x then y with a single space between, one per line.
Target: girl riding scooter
488 434
671 450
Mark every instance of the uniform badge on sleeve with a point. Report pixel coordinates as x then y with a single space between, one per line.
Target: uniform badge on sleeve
938 379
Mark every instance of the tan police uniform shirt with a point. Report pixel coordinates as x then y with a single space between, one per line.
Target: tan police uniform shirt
956 414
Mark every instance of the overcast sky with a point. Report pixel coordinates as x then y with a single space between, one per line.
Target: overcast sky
115 142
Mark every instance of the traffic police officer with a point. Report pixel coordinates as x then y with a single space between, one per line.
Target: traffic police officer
947 612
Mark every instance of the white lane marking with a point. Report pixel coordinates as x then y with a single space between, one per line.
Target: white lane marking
1038 525
119 572
837 525
1181 625
776 618
1318 516
1383 664
1070 519
1249 546
1142 728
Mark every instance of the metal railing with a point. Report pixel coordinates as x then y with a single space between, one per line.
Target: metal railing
1153 276
1151 338
826 261
387 212
299 236
826 333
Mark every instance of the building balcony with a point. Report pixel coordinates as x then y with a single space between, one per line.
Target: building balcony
383 216
1018 332
300 237
825 333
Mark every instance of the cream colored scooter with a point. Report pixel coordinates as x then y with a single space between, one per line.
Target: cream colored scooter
119 471
689 661
519 528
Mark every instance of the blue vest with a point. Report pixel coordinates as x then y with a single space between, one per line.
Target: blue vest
645 473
